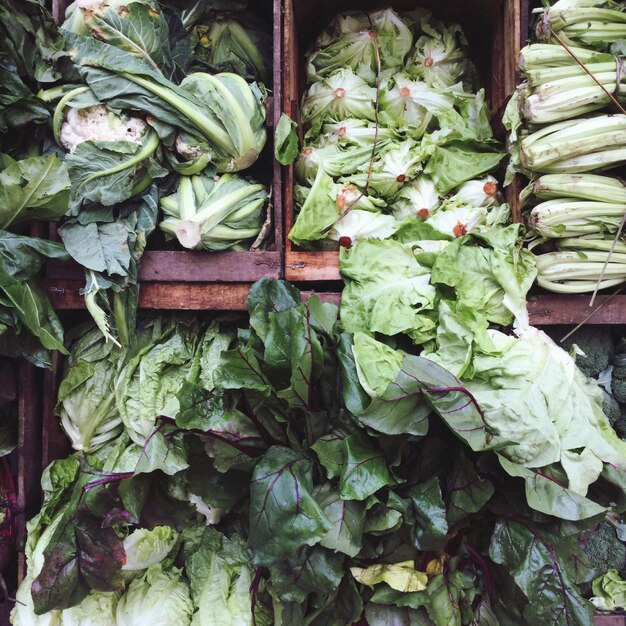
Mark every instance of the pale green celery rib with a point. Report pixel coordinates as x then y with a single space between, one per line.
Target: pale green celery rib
544 55
586 243
576 286
587 162
584 186
554 74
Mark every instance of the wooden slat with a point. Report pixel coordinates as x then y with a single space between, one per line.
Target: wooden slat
551 309
311 266
64 295
610 620
29 453
54 443
188 266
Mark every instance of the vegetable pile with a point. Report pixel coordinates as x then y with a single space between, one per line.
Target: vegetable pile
567 120
396 133
144 102
283 471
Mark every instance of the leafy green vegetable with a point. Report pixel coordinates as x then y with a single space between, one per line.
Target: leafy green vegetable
285 140
213 214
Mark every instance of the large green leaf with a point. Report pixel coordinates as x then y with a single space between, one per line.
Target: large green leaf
36 313
35 188
385 288
140 30
22 257
467 492
98 247
364 469
281 497
428 516
553 598
347 518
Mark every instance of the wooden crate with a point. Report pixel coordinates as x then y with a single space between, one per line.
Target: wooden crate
29 453
495 31
219 267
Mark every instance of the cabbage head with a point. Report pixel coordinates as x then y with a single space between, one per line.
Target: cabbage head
86 400
157 598
145 548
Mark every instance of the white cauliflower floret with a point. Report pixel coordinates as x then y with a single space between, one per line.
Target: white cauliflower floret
97 123
187 151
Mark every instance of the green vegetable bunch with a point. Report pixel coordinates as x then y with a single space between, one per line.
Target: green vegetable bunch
207 213
576 217
391 104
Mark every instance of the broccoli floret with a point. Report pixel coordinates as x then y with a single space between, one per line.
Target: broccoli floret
604 550
618 384
611 409
597 344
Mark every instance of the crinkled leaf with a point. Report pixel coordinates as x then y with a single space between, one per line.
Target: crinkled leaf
286 140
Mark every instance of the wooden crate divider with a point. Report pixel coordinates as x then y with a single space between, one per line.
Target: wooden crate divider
29 453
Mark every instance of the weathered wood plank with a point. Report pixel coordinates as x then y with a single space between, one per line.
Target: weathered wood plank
29 454
64 295
54 442
551 309
311 266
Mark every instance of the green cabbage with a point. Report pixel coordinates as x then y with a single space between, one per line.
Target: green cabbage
86 399
157 598
145 548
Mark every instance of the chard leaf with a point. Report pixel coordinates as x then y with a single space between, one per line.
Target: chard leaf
467 491
286 140
308 570
281 497
329 450
240 369
535 565
364 469
164 450
445 592
381 615
428 516
347 518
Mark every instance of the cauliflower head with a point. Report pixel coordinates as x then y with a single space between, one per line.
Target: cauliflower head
97 123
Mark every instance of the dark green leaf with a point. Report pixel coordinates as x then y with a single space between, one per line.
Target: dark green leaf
347 519
534 564
430 526
308 570
364 469
284 515
286 140
467 492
